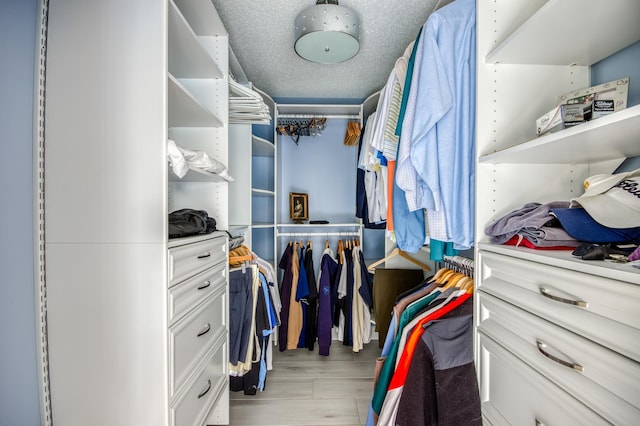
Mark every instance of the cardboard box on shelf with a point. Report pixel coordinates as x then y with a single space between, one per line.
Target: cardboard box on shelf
561 117
603 99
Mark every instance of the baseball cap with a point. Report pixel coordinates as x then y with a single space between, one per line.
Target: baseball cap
581 226
612 200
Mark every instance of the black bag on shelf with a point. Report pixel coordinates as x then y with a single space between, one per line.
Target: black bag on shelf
187 222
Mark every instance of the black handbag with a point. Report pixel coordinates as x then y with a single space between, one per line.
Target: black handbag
187 222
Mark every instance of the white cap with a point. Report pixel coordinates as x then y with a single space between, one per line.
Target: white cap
612 200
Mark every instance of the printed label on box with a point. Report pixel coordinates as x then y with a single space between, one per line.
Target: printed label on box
616 91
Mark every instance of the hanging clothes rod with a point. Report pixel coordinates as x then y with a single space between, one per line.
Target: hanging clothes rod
318 234
288 116
459 264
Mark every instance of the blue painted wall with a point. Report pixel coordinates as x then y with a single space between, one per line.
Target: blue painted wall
625 63
323 167
19 403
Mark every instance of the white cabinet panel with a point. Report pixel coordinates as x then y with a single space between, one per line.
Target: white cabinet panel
514 394
192 336
207 388
106 334
189 293
609 312
185 261
603 380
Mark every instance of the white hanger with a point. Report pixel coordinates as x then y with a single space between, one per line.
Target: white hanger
397 252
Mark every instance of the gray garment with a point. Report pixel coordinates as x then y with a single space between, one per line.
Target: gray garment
240 313
526 220
548 236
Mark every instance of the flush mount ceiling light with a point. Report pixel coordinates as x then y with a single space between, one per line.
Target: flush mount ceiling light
327 33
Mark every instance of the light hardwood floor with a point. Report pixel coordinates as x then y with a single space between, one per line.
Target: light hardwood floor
305 388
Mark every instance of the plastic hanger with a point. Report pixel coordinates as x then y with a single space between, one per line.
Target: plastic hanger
397 252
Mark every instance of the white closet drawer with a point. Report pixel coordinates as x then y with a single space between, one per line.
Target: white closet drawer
191 337
603 310
514 394
188 260
196 401
600 378
186 295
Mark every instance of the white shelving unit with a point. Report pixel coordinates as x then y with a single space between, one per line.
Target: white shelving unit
137 323
545 320
253 193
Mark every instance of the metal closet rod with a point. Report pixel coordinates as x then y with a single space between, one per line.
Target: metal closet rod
318 234
348 116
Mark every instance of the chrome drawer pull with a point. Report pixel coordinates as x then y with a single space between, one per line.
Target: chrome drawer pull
205 330
204 285
204 256
546 294
541 348
204 392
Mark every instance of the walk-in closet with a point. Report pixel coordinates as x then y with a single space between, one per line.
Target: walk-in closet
320 212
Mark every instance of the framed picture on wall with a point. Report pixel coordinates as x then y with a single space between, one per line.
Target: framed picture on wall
298 206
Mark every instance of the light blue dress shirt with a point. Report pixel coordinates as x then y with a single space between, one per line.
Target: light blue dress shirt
443 134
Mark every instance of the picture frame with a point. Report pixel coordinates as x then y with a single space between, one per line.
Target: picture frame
298 206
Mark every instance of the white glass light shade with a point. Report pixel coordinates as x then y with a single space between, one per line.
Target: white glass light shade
327 34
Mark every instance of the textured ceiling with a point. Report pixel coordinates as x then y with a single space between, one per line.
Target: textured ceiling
261 36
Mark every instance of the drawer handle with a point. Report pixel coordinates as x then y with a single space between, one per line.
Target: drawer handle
204 256
541 348
539 423
204 392
205 330
548 295
204 285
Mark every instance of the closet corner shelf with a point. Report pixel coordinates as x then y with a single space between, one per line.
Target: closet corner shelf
555 23
261 147
564 259
579 144
263 192
185 110
261 225
187 57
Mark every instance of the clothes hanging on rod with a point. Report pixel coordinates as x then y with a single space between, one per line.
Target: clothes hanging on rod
337 303
253 319
363 182
427 162
430 341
